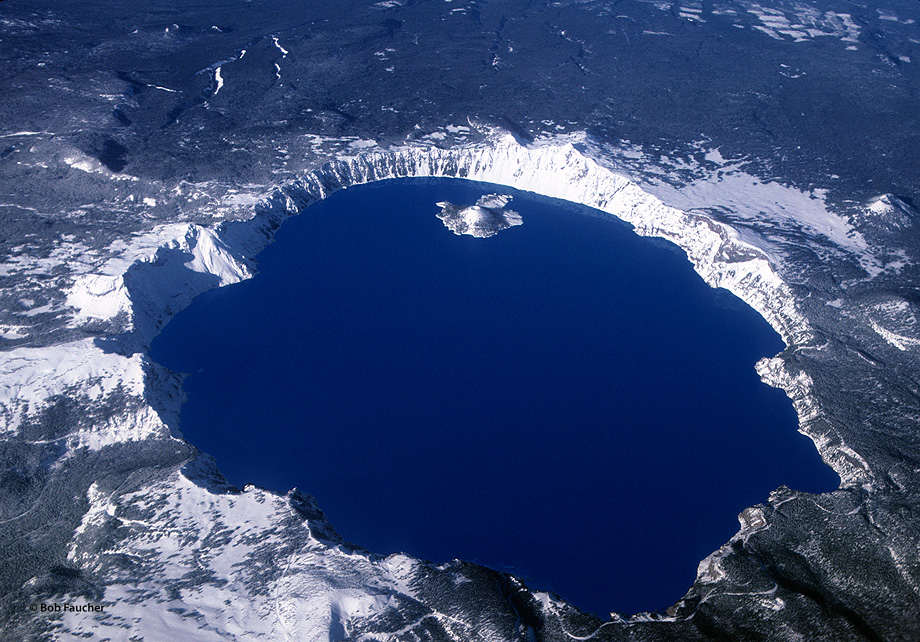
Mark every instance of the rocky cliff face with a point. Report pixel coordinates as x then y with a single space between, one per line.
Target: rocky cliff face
115 507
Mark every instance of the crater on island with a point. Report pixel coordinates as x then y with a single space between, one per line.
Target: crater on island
570 403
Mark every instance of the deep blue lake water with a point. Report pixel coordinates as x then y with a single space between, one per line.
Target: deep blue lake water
565 401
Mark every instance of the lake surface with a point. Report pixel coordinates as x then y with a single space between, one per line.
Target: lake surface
565 401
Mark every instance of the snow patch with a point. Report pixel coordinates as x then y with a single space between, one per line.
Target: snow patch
219 80
899 341
802 22
284 52
362 144
748 198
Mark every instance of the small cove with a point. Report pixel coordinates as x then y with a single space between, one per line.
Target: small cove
565 401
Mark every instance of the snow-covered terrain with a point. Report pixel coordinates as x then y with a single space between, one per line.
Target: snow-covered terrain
147 154
216 564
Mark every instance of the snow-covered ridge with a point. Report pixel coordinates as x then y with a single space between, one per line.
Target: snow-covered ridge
181 253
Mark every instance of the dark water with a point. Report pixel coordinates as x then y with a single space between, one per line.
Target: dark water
565 400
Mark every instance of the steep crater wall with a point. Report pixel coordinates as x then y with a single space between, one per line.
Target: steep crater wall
170 266
563 171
